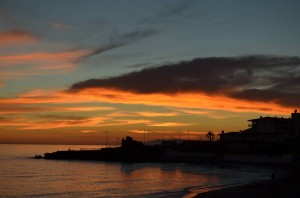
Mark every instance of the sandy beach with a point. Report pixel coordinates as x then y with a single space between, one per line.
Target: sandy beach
282 187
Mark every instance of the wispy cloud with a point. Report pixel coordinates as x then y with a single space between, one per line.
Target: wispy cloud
88 38
39 63
142 113
87 108
149 28
60 26
16 36
32 108
122 40
168 11
17 109
193 111
2 118
63 117
174 9
132 121
137 131
51 118
211 114
170 124
157 114
121 114
88 131
59 122
195 100
50 59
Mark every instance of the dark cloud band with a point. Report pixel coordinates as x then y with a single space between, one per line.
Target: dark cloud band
122 40
254 78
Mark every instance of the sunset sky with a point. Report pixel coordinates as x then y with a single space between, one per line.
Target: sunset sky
74 71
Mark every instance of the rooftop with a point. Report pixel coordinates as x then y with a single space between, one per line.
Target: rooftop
270 118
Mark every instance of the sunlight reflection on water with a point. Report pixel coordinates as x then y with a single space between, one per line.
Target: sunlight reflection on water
21 176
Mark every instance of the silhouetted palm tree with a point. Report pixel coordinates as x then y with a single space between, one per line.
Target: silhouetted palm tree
210 135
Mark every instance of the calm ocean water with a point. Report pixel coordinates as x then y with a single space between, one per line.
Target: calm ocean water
21 176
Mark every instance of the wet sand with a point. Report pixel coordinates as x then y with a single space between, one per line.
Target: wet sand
283 187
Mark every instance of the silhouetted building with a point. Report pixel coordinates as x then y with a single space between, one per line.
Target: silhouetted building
130 142
271 130
296 120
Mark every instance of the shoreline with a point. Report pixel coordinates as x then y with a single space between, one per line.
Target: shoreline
195 191
285 186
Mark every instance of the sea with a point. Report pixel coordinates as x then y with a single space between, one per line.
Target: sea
23 176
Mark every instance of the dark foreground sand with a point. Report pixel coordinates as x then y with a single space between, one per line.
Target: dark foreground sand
286 187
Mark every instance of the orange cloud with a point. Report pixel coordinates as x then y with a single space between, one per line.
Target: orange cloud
53 121
157 114
47 58
169 124
61 123
29 108
120 114
133 121
192 100
157 132
137 131
206 113
16 37
88 131
194 112
17 109
182 100
144 114
39 63
45 100
19 73
85 122
82 109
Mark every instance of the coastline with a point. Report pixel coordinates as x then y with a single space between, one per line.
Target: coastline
282 187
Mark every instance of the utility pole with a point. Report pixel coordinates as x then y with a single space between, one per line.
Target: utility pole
105 139
144 136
